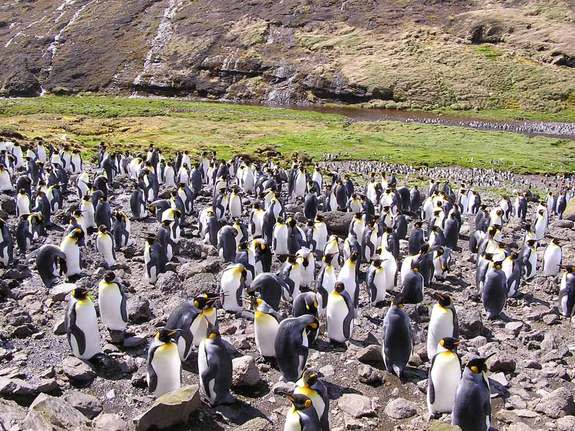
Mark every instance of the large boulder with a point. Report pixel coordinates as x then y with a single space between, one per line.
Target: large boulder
87 404
170 410
78 371
569 213
11 414
245 372
54 414
557 404
337 222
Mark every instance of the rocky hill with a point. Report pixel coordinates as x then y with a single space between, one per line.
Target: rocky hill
402 53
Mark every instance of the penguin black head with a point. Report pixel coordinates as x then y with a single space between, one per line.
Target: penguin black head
443 299
77 234
377 263
79 293
309 377
314 325
291 222
354 256
166 335
555 241
488 256
339 287
570 268
327 258
449 343
319 218
531 242
418 224
292 259
424 249
497 265
109 277
478 365
102 228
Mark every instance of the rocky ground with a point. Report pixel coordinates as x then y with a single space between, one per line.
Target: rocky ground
396 54
531 373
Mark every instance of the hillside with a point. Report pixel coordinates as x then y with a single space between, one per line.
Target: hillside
400 54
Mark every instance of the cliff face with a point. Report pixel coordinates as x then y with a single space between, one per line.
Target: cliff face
401 53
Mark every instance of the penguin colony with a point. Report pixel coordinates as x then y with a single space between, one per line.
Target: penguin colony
399 247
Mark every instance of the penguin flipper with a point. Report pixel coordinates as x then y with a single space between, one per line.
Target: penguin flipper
348 318
152 376
123 305
207 376
240 291
372 290
431 388
455 323
74 330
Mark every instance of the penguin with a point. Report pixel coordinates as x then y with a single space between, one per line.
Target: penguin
380 279
291 345
266 324
397 338
567 292
112 302
306 303
164 370
412 285
529 258
105 246
291 274
192 320
270 287
442 323
332 248
441 262
443 378
513 270
416 238
22 203
87 210
232 285
310 386
472 406
539 225
227 243
262 256
121 230
154 261
552 258
256 220
494 293
82 325
340 313
70 246
50 263
348 276
138 204
325 283
23 235
215 370
306 260
302 416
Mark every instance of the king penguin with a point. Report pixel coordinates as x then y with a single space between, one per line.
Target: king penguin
397 338
340 313
472 406
70 246
552 258
215 370
302 416
82 325
313 388
567 292
266 324
292 345
112 301
444 377
164 365
105 246
442 323
232 285
494 294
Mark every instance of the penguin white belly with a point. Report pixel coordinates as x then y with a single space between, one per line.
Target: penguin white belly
380 281
110 301
235 207
5 183
336 313
445 374
203 366
105 247
229 287
390 270
23 206
87 321
347 277
72 253
540 226
199 329
167 366
266 328
405 267
440 326
533 262
552 262
292 421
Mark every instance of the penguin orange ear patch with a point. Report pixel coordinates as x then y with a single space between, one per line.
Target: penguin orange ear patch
475 369
308 404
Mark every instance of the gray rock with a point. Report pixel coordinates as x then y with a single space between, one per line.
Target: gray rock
283 387
564 224
59 327
357 406
369 355
139 310
369 375
566 423
245 372
513 328
110 422
557 404
54 414
78 371
189 269
257 424
60 291
88 405
470 323
169 410
327 370
168 282
400 409
11 414
337 222
23 390
133 342
502 363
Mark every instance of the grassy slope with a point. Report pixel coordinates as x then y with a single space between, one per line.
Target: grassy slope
231 129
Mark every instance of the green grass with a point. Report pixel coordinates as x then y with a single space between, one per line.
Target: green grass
172 124
488 51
